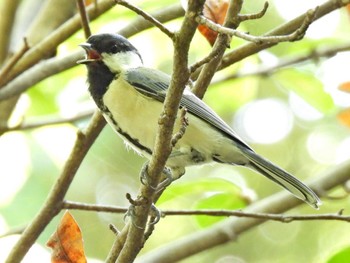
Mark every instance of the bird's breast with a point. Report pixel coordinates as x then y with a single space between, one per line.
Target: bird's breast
131 114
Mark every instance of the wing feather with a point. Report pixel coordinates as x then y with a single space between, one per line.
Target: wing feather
154 84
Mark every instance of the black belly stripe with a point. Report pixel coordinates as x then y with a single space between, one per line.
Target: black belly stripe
133 141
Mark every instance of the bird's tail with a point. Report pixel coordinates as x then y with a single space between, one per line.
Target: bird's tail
281 177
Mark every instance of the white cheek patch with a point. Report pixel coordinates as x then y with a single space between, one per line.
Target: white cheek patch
121 61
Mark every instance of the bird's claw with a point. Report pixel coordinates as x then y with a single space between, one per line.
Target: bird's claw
156 215
131 213
144 178
154 212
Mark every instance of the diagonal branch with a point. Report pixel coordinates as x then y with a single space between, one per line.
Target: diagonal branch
49 44
53 204
289 27
13 60
223 40
135 237
52 66
259 40
251 48
47 121
8 10
313 56
148 17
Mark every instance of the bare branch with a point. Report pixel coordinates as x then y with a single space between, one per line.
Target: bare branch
8 10
206 212
313 55
213 55
13 231
146 16
182 39
54 201
256 15
12 61
220 45
259 40
55 65
84 18
286 28
47 121
37 73
49 44
265 216
184 123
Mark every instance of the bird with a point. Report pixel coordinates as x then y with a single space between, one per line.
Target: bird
130 96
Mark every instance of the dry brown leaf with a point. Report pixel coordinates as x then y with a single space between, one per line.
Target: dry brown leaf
214 10
345 87
67 242
344 117
88 2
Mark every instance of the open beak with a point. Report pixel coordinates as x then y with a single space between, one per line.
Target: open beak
91 54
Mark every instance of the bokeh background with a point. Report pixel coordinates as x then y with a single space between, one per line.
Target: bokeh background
290 116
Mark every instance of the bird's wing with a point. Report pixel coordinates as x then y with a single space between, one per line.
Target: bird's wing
154 83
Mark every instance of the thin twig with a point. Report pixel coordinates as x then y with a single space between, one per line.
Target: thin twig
210 212
265 216
47 121
146 16
13 60
289 27
93 207
181 132
8 9
13 231
84 18
213 55
53 204
256 15
313 55
220 45
260 40
55 65
114 229
50 43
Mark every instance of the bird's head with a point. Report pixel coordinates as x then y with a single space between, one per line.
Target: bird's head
110 50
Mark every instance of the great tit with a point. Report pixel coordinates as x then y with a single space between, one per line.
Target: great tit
130 97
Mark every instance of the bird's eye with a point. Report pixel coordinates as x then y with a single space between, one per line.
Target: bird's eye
114 49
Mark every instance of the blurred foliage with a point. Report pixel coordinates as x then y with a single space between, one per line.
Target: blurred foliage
308 87
109 171
341 256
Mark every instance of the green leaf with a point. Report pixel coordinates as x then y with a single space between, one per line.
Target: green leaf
206 193
307 86
226 200
198 188
341 256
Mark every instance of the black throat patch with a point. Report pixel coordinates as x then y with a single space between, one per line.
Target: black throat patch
99 78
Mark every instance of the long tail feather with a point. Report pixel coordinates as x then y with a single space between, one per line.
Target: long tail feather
281 177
